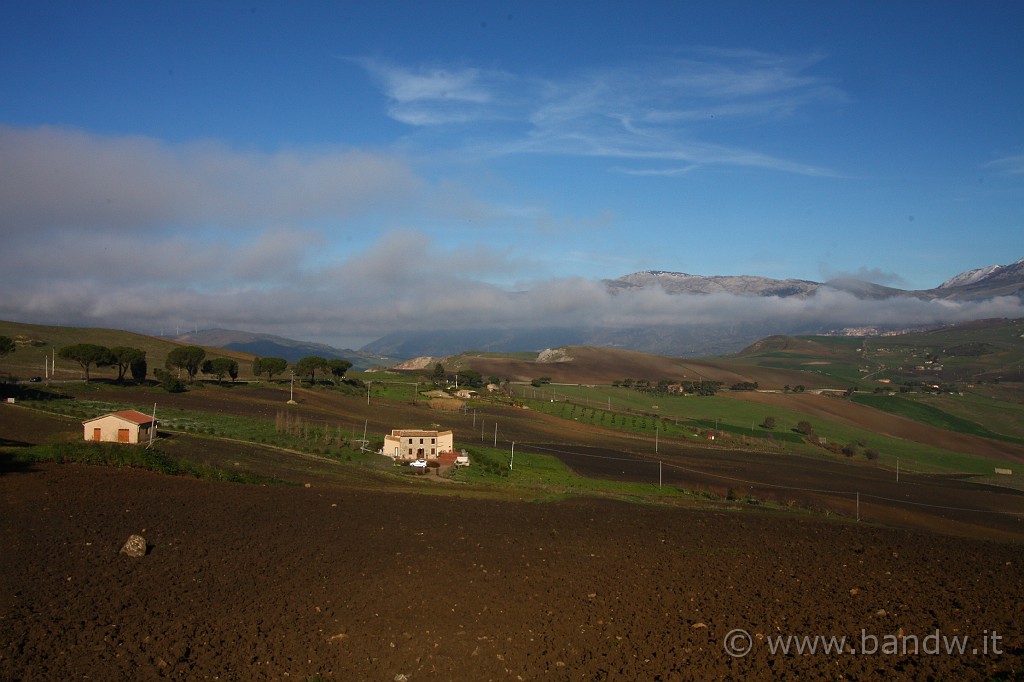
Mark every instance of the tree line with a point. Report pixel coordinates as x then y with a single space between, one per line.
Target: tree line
190 360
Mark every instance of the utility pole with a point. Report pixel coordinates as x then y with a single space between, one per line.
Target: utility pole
513 456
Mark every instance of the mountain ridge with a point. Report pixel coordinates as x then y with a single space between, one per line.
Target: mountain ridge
269 345
983 282
688 338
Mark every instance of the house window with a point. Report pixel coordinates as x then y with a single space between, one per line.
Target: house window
421 441
432 440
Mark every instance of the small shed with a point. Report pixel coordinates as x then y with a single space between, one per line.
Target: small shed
126 426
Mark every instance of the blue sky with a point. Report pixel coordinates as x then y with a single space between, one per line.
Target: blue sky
334 171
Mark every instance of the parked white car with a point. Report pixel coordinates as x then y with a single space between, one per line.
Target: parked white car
420 463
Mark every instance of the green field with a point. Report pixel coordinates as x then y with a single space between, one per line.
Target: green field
737 424
931 415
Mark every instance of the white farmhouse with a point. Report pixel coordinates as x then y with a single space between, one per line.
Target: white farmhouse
412 444
127 426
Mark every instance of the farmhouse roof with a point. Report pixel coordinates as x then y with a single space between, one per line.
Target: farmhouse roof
133 416
416 433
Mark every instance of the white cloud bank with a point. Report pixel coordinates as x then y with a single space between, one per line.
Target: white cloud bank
61 178
138 234
368 295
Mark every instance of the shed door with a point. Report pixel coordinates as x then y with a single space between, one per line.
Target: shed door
97 434
122 435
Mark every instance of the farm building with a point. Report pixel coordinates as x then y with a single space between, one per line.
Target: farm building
127 426
411 444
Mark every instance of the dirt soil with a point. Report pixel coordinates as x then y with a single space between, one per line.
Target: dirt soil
287 582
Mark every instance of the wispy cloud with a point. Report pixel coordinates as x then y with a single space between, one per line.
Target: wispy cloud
1011 165
431 96
672 109
666 172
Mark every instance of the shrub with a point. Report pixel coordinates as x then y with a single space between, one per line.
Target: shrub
168 381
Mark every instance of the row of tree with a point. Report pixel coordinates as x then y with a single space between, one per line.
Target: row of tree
305 367
188 359
463 377
125 358
128 360
664 386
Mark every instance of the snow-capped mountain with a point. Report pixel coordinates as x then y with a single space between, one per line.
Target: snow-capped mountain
970 277
987 282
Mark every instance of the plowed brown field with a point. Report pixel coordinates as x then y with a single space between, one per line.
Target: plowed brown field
252 582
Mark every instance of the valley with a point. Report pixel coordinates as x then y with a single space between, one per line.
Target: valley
315 549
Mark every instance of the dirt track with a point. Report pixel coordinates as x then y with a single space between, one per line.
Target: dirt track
252 582
945 504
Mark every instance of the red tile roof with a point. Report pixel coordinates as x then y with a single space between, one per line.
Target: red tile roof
133 416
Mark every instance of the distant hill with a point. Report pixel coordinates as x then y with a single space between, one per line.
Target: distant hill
984 350
589 365
978 351
268 345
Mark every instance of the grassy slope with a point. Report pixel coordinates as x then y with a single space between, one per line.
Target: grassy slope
28 360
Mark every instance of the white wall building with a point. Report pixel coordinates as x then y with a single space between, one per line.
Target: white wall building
127 426
412 444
